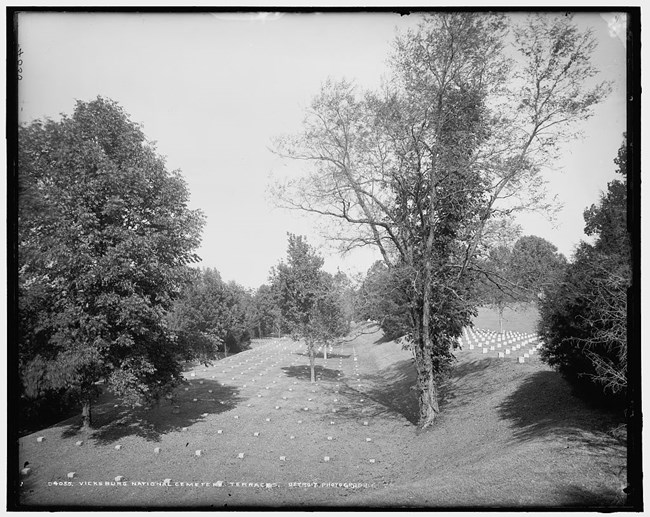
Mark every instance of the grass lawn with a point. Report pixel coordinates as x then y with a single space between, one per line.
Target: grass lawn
509 435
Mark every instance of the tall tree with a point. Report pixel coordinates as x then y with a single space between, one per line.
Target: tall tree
307 297
456 136
105 239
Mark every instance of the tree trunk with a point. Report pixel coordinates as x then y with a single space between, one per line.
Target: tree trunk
312 361
86 414
427 389
325 352
225 350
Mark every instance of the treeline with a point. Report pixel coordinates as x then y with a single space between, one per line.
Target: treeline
584 316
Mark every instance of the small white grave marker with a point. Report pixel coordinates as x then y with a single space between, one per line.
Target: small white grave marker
26 471
184 429
119 479
520 359
369 439
372 460
72 475
199 452
283 458
268 419
167 481
256 434
292 437
156 450
118 447
192 374
365 423
300 421
79 443
219 431
326 458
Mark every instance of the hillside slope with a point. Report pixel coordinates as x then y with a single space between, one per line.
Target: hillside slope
509 434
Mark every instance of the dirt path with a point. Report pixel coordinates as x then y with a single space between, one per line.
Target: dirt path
509 434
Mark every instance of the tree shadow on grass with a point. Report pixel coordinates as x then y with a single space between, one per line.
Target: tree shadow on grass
303 372
581 497
391 388
466 381
544 405
320 355
112 423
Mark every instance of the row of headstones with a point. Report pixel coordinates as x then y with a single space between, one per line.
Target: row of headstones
490 337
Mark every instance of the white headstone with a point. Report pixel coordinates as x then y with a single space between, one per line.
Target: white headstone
118 447
79 443
119 479
72 475
156 450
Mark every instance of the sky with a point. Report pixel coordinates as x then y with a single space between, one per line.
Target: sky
214 89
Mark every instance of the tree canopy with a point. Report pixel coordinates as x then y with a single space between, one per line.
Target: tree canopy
105 237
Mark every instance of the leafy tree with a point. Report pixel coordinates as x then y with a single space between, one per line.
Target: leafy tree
307 297
584 318
536 265
381 298
518 275
105 239
211 317
268 314
456 136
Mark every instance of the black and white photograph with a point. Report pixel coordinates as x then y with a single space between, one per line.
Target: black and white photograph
324 258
